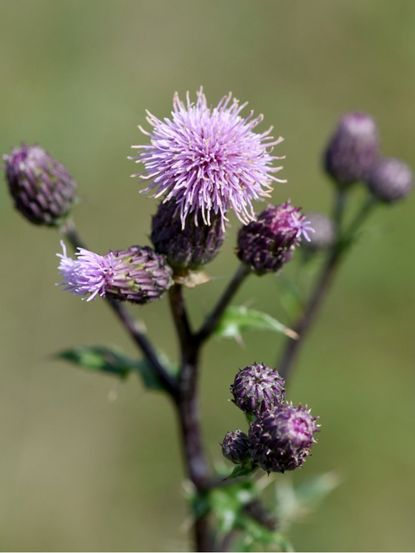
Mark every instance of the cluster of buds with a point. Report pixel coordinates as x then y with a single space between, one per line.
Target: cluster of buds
352 155
280 435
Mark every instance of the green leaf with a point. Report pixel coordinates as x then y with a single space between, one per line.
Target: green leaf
242 470
227 504
238 318
258 538
102 359
98 359
315 489
295 503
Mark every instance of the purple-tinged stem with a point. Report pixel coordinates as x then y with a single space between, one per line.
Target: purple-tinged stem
180 316
215 315
187 406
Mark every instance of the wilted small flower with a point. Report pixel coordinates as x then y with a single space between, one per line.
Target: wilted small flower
281 438
137 274
324 232
188 247
42 189
352 149
209 160
235 446
267 243
390 180
257 387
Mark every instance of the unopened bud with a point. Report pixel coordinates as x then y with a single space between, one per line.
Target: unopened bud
186 247
42 189
390 180
352 150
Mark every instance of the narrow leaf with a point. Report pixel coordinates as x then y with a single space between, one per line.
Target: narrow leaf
296 502
102 359
98 359
238 318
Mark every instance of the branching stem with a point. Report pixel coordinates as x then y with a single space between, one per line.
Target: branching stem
215 315
324 279
132 326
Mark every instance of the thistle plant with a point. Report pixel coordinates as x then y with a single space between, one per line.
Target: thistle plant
206 165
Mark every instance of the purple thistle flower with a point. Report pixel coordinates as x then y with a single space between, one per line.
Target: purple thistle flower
267 243
137 274
209 159
281 438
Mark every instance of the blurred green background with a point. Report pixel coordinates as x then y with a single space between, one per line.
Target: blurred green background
87 463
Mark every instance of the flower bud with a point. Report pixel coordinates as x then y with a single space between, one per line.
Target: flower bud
324 232
235 447
352 149
188 247
257 387
42 189
138 274
281 438
390 180
267 243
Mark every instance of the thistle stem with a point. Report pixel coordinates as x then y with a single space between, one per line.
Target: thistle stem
187 405
323 281
215 315
132 327
180 316
302 326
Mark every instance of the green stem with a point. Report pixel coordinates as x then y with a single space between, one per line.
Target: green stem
323 281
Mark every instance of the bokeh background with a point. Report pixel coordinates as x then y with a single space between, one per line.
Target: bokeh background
87 463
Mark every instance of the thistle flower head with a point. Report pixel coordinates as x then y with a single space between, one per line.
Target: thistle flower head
352 149
41 187
281 438
137 274
390 180
209 160
257 387
235 446
267 243
188 247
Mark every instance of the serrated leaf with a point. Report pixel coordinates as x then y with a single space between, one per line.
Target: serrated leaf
239 318
110 361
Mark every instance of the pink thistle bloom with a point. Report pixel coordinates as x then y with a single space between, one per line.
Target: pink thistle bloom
137 274
268 243
88 274
209 160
